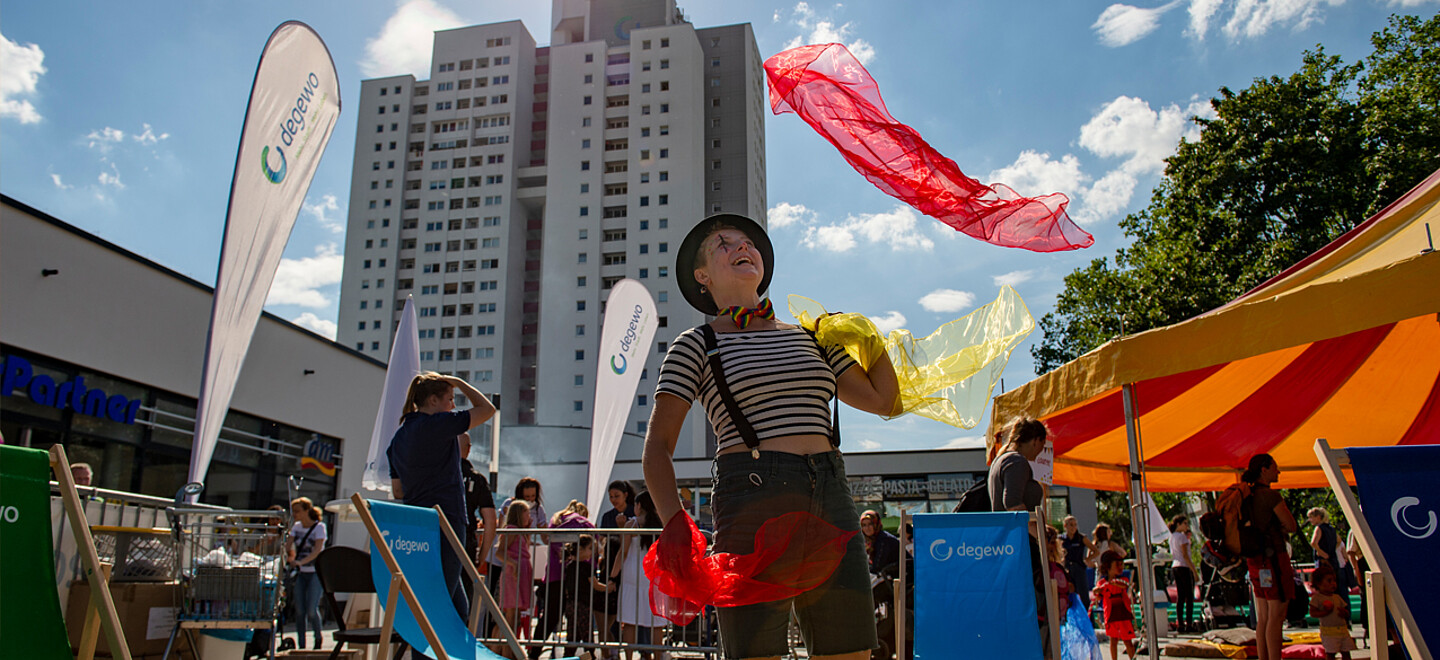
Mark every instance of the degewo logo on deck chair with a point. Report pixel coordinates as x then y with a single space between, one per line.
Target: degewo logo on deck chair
1402 521
940 549
401 544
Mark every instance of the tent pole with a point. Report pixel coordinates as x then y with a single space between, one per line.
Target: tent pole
1140 523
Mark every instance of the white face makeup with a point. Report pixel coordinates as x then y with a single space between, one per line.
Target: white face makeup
732 262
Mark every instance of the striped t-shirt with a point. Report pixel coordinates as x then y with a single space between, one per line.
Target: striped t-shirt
779 378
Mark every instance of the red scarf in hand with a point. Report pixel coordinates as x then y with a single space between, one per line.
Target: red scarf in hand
794 553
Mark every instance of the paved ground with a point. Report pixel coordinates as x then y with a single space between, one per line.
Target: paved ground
1360 654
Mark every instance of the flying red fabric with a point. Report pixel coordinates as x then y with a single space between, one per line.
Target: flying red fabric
794 553
833 92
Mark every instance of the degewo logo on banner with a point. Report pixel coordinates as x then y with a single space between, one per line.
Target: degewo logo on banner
978 565
293 125
627 344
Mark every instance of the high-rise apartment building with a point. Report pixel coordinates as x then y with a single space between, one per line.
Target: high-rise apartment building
509 192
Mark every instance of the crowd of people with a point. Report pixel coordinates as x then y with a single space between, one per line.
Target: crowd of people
590 585
765 387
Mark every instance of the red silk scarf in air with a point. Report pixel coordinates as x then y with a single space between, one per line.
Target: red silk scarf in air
794 553
833 92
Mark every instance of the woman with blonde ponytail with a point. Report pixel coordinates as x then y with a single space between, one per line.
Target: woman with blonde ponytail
425 457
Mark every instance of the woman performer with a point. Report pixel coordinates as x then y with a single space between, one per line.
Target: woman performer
780 380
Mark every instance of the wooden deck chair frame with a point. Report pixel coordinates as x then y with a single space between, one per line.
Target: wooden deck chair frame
98 575
1384 592
400 586
1052 603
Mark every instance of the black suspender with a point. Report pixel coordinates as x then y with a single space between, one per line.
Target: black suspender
742 425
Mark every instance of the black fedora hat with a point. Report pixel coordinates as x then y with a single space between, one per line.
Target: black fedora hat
685 258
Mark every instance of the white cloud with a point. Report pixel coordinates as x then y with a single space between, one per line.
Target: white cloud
112 178
58 183
298 281
1108 197
870 444
319 211
785 214
148 137
403 45
105 138
898 228
965 442
321 326
803 14
1253 18
829 239
1034 174
1121 25
1127 126
824 30
1014 277
947 300
888 321
20 71
1201 11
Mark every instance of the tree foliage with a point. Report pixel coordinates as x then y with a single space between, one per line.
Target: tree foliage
1113 509
1287 165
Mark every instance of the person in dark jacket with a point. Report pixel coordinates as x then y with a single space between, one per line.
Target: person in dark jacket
882 547
425 457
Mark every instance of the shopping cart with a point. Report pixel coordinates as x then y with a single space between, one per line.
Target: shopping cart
230 566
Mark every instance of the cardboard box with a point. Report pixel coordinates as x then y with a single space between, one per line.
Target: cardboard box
146 611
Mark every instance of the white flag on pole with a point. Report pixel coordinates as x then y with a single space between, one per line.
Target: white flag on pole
1159 528
628 330
294 104
403 367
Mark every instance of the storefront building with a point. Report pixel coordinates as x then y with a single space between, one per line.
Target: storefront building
914 481
102 352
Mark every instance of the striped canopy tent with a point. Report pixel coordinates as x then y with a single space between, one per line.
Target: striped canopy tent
1344 345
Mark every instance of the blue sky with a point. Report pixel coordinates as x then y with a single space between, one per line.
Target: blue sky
122 118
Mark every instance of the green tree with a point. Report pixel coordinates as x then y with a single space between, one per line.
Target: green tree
1113 509
1400 94
1287 165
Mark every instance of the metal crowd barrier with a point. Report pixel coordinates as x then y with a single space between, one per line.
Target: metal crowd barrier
553 597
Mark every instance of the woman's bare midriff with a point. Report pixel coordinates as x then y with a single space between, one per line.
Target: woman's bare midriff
790 444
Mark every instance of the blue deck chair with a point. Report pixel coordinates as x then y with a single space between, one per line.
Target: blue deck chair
978 564
1399 531
405 561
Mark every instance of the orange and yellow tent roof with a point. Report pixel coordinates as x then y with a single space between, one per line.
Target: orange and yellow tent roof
1344 345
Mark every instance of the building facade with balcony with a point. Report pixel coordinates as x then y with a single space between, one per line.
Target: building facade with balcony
506 194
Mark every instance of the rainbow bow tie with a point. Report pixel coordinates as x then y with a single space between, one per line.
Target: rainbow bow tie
744 315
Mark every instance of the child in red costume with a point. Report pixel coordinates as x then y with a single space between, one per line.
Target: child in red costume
1112 595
